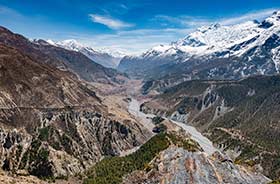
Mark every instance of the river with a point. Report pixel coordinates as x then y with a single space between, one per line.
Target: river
145 119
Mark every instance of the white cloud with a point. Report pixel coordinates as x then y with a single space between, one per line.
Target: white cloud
194 22
7 11
257 15
109 22
183 20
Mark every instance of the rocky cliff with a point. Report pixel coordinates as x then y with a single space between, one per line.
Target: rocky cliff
177 165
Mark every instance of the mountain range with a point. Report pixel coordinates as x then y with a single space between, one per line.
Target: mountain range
213 52
53 121
73 61
67 109
109 60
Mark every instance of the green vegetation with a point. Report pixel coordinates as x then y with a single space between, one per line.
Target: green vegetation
271 163
187 144
162 127
66 143
195 87
157 120
159 128
44 133
147 85
275 182
55 145
24 160
61 177
18 151
49 135
37 157
247 153
233 93
111 170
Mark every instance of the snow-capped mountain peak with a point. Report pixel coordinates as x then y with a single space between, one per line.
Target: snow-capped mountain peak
218 36
51 42
211 27
208 39
276 14
70 44
101 57
272 20
255 45
113 52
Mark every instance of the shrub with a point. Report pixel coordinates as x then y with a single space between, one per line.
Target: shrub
111 170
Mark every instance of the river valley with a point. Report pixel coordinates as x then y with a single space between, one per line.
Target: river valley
145 119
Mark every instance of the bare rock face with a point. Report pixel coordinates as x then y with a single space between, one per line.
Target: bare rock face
22 178
176 165
66 142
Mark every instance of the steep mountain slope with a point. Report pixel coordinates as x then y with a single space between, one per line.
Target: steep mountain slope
172 157
241 117
102 58
51 123
178 165
214 52
61 58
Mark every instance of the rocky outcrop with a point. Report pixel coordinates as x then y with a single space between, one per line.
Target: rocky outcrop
21 178
176 165
66 142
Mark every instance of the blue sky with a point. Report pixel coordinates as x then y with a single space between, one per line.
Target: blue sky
131 26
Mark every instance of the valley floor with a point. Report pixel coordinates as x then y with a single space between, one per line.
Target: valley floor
204 142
